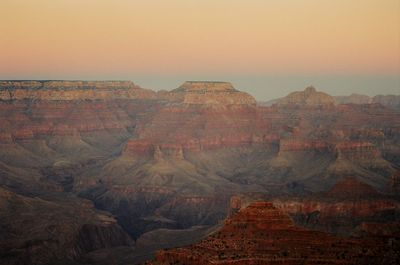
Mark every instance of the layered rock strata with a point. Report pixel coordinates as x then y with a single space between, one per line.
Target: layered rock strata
262 234
72 90
209 93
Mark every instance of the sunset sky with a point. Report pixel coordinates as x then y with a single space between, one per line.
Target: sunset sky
266 47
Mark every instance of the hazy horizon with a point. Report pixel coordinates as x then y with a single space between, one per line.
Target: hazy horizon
265 88
267 48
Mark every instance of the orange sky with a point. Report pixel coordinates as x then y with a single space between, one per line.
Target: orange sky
103 37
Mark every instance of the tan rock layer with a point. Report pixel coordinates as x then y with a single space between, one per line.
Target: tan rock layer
72 90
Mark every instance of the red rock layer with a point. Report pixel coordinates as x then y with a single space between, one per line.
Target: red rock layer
350 208
304 145
349 187
354 150
262 234
180 129
387 229
350 150
348 197
146 147
26 121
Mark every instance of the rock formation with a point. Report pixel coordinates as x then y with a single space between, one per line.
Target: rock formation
308 97
342 209
262 234
210 93
390 101
72 90
173 159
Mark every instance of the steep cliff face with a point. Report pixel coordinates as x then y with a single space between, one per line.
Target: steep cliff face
262 234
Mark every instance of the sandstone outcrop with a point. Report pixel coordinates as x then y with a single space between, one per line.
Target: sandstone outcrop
262 234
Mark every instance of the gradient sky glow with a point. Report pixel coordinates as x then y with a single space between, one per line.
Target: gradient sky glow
159 44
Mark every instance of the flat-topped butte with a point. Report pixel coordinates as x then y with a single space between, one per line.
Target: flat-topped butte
206 86
210 93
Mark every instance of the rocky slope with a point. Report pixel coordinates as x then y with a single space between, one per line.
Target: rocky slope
40 231
262 234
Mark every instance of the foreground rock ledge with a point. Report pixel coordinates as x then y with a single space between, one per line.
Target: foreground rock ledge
262 234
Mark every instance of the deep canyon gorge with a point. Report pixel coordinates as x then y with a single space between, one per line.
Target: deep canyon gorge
106 172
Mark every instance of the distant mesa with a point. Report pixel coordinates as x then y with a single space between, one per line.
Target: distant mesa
390 101
72 90
309 97
190 92
210 93
206 86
